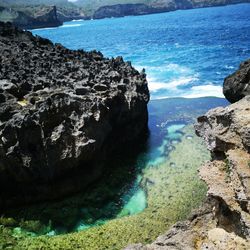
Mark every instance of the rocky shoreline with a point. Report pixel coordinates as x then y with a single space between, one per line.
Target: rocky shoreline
63 113
45 16
223 222
121 10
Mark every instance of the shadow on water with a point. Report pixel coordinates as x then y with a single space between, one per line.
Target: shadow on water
120 191
117 193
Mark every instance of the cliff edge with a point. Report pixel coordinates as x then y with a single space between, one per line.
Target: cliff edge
43 17
223 222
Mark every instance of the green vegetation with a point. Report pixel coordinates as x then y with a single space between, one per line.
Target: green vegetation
31 7
173 189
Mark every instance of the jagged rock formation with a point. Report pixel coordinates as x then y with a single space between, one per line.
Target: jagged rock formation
237 85
62 113
224 220
44 17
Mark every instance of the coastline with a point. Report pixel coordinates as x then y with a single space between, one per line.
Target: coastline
138 194
157 11
163 10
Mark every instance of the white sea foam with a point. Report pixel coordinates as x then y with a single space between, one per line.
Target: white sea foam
172 85
71 25
50 28
177 67
229 67
204 90
169 67
78 20
154 86
196 91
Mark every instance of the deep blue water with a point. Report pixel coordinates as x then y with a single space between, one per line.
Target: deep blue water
186 53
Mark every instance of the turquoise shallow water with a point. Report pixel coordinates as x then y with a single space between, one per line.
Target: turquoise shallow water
134 198
186 53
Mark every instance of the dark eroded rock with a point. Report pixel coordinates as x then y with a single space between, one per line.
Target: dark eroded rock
237 85
62 113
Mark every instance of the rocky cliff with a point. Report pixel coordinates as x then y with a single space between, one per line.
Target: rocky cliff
157 6
63 113
120 10
223 222
45 16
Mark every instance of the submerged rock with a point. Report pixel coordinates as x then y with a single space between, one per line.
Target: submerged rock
237 85
62 114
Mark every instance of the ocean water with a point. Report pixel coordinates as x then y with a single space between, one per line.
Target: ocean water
186 53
